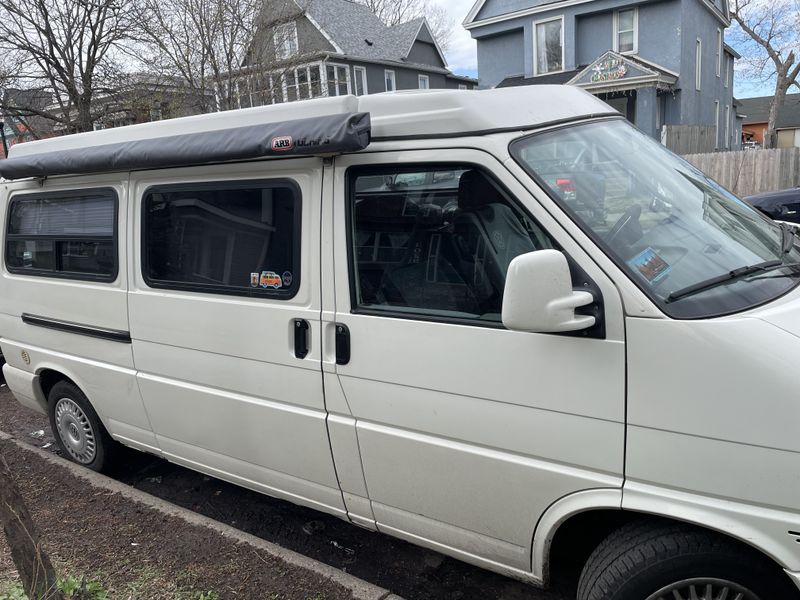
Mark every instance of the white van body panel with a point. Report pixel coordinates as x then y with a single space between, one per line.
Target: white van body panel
422 393
218 374
25 387
684 445
102 368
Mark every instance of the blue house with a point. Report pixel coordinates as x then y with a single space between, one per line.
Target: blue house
662 63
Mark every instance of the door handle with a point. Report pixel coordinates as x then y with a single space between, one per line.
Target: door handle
300 338
342 344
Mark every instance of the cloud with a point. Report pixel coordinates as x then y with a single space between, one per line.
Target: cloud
462 56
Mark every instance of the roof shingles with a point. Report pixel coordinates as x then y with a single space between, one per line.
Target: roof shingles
359 33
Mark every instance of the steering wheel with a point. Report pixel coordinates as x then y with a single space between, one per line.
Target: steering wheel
626 226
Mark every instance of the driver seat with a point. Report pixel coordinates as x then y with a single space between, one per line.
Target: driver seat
487 234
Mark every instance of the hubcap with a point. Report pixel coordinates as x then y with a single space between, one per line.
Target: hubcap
703 588
75 431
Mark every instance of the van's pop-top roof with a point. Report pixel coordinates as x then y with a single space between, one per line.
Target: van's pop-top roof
309 127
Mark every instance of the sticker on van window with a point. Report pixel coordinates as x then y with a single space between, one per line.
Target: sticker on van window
650 265
254 278
287 278
270 279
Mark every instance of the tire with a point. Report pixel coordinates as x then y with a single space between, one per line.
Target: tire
650 560
79 433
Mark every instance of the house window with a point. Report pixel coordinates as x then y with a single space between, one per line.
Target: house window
626 34
718 58
302 83
727 126
299 83
290 86
424 82
265 89
315 81
388 77
548 47
728 66
360 80
286 40
716 124
698 64
338 80
462 86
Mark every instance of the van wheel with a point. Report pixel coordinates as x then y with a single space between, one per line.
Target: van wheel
647 560
79 434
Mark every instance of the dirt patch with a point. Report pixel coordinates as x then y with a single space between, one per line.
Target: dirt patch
139 552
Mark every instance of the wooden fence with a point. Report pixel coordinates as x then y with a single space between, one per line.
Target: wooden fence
689 139
748 172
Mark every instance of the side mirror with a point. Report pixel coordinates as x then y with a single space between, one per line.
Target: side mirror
538 295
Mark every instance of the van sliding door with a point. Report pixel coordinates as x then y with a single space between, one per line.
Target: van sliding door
225 323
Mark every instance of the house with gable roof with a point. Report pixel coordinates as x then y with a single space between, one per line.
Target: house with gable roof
311 48
661 63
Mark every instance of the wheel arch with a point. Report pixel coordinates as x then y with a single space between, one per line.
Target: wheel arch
557 517
579 521
47 375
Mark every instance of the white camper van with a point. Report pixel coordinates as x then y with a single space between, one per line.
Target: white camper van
478 321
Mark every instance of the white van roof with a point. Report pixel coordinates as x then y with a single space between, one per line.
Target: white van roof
397 115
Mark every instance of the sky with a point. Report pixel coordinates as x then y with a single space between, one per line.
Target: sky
462 55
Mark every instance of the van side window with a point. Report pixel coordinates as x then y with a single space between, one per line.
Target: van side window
435 241
65 234
238 238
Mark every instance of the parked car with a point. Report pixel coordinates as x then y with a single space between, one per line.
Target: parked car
783 205
504 325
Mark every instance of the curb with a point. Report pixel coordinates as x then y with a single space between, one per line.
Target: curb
361 590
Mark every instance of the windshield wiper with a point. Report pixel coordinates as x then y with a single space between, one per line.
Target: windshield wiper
727 278
787 238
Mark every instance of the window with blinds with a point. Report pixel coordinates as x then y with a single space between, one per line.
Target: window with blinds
66 234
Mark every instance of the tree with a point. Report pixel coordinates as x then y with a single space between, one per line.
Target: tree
394 12
33 565
69 50
214 46
770 33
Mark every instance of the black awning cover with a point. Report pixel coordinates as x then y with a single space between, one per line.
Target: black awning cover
330 134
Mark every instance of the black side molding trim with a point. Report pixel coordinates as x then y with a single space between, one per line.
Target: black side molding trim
115 335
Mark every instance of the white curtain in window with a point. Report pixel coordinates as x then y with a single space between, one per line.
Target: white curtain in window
548 47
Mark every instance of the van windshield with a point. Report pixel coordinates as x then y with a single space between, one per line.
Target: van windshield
692 246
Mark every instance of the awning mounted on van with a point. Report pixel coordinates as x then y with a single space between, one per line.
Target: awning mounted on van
330 134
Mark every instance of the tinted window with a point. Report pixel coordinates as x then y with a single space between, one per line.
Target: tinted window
235 238
68 234
435 241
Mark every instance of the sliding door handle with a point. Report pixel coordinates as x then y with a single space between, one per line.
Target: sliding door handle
342 344
300 338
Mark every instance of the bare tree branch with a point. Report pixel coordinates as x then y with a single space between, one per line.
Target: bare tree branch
65 49
769 34
394 12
